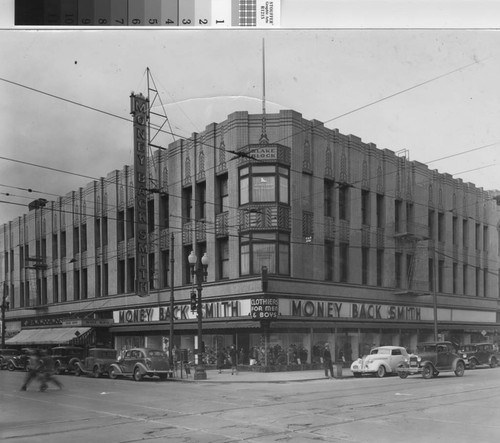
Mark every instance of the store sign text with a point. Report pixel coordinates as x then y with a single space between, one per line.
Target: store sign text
363 311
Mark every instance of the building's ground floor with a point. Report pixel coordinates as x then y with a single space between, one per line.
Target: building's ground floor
266 330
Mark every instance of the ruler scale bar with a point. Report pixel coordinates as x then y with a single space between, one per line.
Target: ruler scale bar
151 13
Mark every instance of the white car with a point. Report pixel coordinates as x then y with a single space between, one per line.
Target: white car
382 360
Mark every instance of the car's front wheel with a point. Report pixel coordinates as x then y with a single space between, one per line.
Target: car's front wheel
11 366
460 369
427 371
113 373
137 374
381 371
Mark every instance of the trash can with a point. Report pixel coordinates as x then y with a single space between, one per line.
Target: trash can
337 370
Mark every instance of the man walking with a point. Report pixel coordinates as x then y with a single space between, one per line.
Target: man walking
233 353
327 361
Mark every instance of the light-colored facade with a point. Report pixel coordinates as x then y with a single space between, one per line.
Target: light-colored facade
362 247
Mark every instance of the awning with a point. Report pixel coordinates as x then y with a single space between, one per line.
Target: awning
48 336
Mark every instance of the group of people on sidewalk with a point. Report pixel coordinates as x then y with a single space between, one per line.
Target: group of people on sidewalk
41 367
232 356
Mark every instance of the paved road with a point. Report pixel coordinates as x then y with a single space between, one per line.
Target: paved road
304 407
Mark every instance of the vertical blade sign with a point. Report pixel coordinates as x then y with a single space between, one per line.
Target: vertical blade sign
139 106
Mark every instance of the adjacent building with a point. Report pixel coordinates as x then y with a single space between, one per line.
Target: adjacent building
311 236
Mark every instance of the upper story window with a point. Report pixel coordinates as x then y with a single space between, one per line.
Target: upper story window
222 194
365 207
265 249
329 197
264 183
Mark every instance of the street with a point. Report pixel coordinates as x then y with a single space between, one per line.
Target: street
230 409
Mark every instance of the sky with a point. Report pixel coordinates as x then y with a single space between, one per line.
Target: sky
65 93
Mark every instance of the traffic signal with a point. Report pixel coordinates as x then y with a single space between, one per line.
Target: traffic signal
194 301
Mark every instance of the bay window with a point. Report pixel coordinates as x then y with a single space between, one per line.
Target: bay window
264 183
265 249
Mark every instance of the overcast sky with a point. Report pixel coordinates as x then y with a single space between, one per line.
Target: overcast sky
203 76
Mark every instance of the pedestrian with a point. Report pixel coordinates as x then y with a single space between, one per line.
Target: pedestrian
327 361
221 357
34 368
233 354
47 370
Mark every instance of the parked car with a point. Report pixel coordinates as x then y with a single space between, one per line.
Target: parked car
5 355
432 358
97 363
20 360
381 361
479 354
66 357
140 362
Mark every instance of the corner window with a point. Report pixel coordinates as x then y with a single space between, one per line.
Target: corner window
265 249
260 184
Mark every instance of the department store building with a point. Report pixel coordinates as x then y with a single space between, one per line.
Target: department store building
311 236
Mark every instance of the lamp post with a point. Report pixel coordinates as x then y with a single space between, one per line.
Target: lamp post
5 307
200 272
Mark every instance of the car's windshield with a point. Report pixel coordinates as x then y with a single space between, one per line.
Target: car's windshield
426 348
380 351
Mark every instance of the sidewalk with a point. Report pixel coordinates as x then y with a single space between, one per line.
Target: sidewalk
213 376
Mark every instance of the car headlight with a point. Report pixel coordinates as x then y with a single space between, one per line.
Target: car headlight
464 356
419 359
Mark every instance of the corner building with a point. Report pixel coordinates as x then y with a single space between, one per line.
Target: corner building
311 237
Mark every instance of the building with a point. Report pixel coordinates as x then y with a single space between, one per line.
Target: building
312 236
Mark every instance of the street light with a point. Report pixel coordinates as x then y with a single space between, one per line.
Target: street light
200 272
5 306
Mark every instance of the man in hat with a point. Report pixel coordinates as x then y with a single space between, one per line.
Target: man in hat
327 361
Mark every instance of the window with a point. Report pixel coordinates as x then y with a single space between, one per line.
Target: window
201 204
329 198
97 232
485 282
364 265
98 286
265 249
464 279
485 238
187 205
223 248
76 285
85 292
430 222
120 225
104 231
84 238
55 249
164 211
130 275
64 287
454 230
478 236
130 223
76 240
222 204
121 277
455 278
55 289
344 262
380 266
105 289
380 211
165 269
259 184
441 227
397 269
365 207
441 276
343 202
478 280
329 260
398 215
